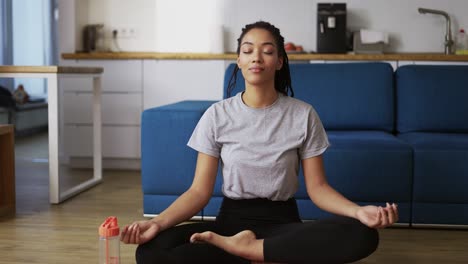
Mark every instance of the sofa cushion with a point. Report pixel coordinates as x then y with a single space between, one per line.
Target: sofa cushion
440 177
358 96
432 98
440 166
367 166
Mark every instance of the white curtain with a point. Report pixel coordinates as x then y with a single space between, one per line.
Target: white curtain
32 33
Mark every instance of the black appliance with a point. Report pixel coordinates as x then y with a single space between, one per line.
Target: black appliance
92 37
331 28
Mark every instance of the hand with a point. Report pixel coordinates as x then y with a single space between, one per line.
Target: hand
377 217
139 232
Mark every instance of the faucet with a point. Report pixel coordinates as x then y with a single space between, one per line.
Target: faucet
448 31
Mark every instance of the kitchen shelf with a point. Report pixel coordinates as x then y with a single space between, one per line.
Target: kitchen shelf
292 57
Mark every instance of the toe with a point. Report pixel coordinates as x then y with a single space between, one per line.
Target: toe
194 238
202 237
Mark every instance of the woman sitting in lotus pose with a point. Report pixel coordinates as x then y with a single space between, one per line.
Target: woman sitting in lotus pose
261 136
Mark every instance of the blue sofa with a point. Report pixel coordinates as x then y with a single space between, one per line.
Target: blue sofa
395 136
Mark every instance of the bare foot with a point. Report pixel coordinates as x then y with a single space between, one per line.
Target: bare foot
244 244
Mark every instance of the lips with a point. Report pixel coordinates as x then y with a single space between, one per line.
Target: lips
256 69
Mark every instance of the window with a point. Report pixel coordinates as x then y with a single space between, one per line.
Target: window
28 37
6 57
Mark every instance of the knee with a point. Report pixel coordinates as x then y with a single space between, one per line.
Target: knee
367 240
147 254
371 238
142 254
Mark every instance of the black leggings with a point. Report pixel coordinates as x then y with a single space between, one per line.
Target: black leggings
286 238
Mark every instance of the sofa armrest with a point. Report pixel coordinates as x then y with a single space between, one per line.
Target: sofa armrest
167 163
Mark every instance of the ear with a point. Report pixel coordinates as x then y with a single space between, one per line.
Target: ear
279 65
238 64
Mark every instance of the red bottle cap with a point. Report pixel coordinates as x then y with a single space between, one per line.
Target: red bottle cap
109 228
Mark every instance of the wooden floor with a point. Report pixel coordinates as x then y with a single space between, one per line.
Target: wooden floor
67 233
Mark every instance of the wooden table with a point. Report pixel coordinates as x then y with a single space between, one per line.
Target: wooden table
7 170
52 74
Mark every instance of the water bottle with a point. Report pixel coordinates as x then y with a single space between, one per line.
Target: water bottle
109 241
462 43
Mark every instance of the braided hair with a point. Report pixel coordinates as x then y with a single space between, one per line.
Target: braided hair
282 76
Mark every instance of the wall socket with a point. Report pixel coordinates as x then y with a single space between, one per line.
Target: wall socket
124 32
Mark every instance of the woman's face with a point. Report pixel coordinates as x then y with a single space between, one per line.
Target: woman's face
258 57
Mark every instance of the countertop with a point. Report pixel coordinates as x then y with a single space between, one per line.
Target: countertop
292 57
49 69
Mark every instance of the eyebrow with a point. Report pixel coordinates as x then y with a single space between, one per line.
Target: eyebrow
263 44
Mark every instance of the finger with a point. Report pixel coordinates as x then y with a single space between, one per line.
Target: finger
377 219
128 235
133 234
124 231
384 222
123 235
395 209
387 215
391 214
137 235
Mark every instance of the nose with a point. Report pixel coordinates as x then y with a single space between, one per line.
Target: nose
257 57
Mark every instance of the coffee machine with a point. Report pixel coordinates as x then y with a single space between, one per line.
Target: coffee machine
331 28
93 37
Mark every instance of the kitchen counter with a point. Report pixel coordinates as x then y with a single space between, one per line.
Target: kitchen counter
292 57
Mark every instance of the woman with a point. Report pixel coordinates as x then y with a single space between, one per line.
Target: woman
260 136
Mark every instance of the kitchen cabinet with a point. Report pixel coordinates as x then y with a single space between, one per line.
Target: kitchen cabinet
121 142
122 104
117 108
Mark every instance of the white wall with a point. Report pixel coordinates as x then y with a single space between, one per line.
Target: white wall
409 31
191 25
137 15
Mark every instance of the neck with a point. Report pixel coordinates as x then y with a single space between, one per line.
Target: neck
258 98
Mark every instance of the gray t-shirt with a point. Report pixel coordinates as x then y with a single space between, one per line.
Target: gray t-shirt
260 148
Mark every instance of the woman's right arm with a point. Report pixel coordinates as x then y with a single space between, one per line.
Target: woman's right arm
183 208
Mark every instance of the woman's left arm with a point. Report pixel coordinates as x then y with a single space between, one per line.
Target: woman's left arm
328 199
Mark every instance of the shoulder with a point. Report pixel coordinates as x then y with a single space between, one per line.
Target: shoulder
224 105
300 110
298 105
221 108
226 102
